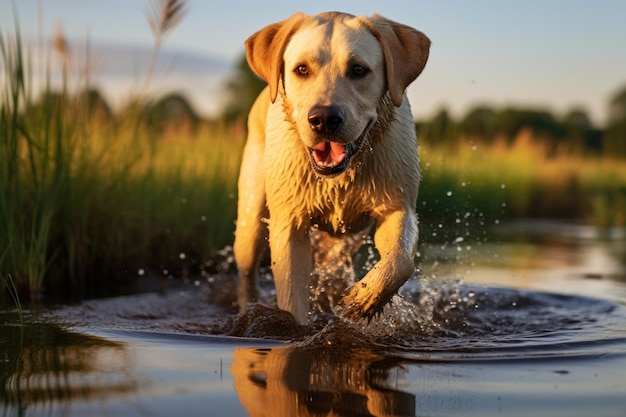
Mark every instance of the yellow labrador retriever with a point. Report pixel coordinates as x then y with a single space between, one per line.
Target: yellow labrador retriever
331 147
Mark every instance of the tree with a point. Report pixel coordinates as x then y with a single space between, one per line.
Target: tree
579 131
478 123
615 136
510 121
242 89
172 110
441 129
94 103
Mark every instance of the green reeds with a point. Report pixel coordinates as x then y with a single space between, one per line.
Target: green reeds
504 181
7 284
87 202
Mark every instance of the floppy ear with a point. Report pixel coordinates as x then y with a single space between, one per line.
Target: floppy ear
406 52
265 49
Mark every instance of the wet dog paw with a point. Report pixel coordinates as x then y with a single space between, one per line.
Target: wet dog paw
360 302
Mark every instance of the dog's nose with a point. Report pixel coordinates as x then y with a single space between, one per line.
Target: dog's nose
325 119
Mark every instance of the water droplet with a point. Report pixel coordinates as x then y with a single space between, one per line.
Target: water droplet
141 272
449 193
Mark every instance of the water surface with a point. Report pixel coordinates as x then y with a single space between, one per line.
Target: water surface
531 328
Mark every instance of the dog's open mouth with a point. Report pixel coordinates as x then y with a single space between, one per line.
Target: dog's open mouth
332 158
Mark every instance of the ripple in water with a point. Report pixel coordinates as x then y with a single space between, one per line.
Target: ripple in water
429 320
452 320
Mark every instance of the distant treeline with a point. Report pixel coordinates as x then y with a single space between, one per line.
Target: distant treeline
572 134
172 110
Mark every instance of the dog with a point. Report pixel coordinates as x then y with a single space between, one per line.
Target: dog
331 149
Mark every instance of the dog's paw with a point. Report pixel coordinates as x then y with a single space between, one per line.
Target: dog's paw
360 302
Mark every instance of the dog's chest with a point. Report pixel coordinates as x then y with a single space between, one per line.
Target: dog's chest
339 210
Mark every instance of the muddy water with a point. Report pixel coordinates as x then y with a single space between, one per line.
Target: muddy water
532 327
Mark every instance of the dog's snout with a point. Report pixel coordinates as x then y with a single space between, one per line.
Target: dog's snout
325 119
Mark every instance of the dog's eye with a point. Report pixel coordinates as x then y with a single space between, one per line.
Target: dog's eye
302 70
358 71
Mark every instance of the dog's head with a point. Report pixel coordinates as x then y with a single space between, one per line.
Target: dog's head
333 70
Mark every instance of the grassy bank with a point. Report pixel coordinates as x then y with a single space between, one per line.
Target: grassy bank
521 179
89 203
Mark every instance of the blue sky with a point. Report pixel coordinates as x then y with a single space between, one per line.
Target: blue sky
555 54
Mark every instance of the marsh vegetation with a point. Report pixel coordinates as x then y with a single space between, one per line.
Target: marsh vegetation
92 198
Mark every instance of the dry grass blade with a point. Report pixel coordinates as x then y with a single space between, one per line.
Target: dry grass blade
59 42
164 15
62 47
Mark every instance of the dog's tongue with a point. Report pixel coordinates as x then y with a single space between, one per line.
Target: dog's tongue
329 153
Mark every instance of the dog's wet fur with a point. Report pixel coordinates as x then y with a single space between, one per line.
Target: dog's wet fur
331 146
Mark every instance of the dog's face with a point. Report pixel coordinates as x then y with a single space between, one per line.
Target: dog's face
334 78
334 70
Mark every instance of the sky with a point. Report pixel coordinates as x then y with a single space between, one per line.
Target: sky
556 55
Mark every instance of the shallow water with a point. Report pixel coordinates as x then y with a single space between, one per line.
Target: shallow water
531 328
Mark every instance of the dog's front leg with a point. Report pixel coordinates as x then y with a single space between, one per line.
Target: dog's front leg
396 239
292 262
250 241
251 233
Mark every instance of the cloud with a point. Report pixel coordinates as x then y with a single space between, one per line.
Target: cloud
119 72
115 60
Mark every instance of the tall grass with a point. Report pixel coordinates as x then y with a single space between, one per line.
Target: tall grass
522 179
86 201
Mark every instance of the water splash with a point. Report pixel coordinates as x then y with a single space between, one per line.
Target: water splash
424 309
453 316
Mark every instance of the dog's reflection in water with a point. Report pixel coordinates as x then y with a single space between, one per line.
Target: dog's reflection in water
292 381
